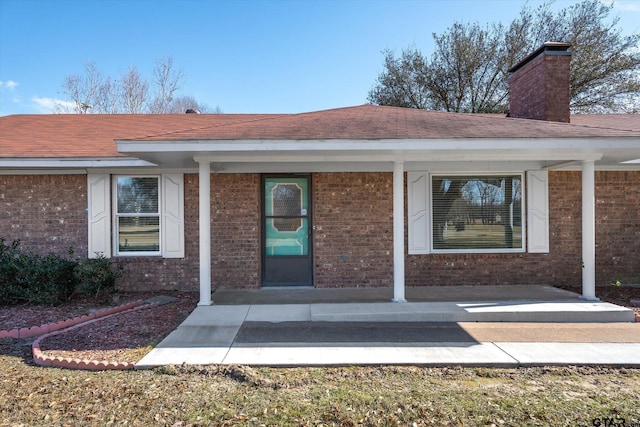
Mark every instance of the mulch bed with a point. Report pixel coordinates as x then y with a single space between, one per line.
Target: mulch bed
125 337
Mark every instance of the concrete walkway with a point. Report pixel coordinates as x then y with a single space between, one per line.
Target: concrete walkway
482 327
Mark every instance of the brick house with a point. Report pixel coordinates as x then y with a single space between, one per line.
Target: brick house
363 196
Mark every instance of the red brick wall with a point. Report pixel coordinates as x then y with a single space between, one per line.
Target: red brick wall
618 227
235 240
353 240
235 230
617 241
47 213
558 88
541 89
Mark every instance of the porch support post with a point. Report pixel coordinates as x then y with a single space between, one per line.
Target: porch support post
398 232
204 218
588 231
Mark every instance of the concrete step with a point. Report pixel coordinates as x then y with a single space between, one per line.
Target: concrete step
570 311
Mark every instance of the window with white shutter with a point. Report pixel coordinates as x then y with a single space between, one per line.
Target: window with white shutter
139 215
472 213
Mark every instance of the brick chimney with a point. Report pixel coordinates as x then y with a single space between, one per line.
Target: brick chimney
539 85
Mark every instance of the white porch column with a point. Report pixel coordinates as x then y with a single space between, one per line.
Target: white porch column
588 231
204 218
398 232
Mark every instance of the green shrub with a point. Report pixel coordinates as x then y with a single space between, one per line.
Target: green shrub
97 275
29 278
10 262
51 279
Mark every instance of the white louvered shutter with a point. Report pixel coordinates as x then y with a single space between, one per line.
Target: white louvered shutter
538 211
173 215
99 215
418 212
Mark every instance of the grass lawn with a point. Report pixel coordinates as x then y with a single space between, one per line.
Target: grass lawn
479 236
349 396
368 396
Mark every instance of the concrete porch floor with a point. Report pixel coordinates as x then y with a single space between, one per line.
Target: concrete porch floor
310 295
468 326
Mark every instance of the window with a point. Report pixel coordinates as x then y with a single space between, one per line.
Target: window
476 213
137 216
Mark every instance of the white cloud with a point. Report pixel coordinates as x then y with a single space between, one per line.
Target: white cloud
52 105
627 5
9 84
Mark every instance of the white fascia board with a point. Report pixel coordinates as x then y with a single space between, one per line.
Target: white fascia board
339 145
395 155
369 166
43 171
69 163
577 166
141 171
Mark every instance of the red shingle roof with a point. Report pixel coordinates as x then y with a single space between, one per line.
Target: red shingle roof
93 136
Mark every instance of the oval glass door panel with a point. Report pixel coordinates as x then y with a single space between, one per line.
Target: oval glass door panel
286 230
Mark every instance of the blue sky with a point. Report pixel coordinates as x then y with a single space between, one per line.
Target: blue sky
245 56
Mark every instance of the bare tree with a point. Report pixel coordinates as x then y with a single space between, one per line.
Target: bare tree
83 90
134 89
131 93
468 70
106 100
167 81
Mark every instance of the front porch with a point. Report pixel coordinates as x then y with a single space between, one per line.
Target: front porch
523 303
424 161
468 326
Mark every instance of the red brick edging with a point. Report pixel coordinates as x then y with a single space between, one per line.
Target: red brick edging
40 358
44 331
35 331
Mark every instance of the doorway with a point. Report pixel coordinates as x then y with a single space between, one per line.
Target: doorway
286 230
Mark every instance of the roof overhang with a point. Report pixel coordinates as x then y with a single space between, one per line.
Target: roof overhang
355 154
72 163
